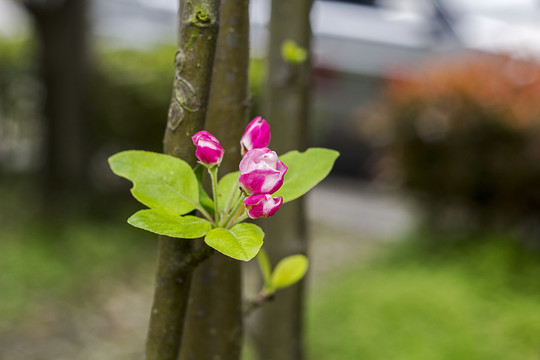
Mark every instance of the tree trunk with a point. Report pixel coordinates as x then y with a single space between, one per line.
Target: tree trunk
62 33
198 32
278 326
214 321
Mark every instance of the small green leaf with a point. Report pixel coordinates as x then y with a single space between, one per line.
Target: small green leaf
292 53
264 265
164 223
159 181
288 271
305 170
241 242
228 190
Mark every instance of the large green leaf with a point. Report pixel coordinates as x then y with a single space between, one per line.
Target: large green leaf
164 223
241 242
305 171
228 190
159 181
288 271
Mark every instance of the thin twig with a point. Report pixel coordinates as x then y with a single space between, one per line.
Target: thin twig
256 303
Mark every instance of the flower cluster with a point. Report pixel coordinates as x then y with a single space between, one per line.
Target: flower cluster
172 189
261 172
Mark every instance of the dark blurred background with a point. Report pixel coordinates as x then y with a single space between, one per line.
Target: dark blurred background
431 214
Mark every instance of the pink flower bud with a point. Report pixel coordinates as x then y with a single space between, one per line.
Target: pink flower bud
208 151
262 205
261 172
256 136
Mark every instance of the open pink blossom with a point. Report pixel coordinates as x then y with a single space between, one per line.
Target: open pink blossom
208 151
262 205
257 135
261 172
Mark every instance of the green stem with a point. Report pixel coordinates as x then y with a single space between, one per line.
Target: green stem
206 214
240 218
234 195
213 174
232 214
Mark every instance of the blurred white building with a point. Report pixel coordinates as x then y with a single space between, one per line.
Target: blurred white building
357 43
358 36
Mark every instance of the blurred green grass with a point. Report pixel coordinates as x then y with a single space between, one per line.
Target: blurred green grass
412 300
62 259
39 264
476 301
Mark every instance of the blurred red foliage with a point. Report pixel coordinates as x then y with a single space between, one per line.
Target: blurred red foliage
464 132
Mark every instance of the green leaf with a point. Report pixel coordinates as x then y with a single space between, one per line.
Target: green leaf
165 223
199 171
288 271
264 265
228 190
305 171
292 53
241 242
159 181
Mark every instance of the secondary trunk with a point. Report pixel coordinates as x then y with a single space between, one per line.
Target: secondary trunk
214 312
278 329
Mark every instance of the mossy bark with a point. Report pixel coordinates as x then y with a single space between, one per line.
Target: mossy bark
214 321
278 325
198 31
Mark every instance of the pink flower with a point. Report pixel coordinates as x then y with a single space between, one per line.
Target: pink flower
262 205
261 172
208 151
256 136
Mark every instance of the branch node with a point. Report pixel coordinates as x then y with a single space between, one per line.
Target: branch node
201 17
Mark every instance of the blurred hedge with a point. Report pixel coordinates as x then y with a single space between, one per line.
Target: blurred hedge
466 134
131 91
19 93
129 97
